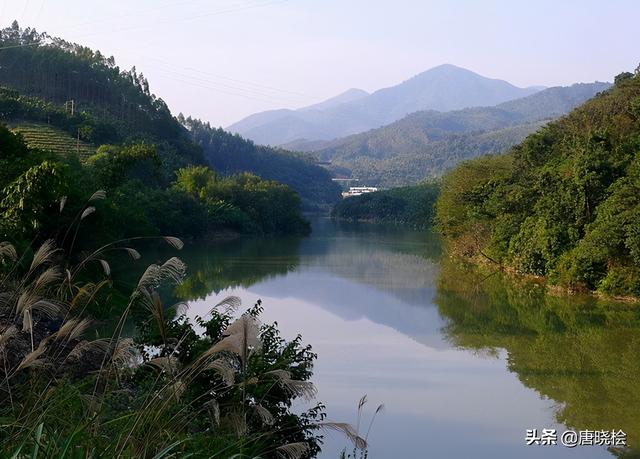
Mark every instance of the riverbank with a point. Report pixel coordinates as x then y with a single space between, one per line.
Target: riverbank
551 289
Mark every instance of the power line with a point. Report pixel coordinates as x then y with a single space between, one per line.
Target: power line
234 80
264 98
4 7
122 16
245 86
245 90
26 4
199 16
22 45
251 90
256 88
39 11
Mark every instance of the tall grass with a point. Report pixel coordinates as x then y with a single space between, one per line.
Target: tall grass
67 391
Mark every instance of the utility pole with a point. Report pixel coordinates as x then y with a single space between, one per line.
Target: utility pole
70 103
78 143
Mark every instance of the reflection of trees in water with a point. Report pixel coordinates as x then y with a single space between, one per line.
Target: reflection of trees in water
388 258
239 263
581 353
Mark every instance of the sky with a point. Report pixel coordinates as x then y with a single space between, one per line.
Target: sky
221 60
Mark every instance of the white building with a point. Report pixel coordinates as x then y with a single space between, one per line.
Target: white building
358 190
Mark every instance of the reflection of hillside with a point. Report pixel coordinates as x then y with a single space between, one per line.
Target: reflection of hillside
353 301
238 263
409 278
580 353
387 258
383 273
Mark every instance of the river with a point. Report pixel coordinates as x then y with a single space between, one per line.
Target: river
464 362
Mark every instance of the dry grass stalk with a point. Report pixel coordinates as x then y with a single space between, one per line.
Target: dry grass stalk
100 346
168 364
347 430
100 194
303 389
224 369
33 359
8 251
265 415
86 212
240 338
7 334
293 450
43 255
174 242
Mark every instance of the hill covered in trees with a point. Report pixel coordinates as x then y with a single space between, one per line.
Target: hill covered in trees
425 144
411 206
231 154
47 80
564 204
60 97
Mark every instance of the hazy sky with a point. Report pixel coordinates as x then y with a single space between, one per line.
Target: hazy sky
221 60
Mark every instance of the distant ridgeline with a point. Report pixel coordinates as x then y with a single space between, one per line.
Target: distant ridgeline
425 144
82 124
564 204
411 206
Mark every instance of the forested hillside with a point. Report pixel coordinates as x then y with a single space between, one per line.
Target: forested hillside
60 97
115 104
564 204
435 157
425 144
47 80
231 154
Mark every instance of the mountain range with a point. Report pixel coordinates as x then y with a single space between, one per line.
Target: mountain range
442 88
425 144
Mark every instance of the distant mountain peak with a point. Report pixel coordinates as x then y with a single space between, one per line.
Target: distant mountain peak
447 67
350 95
443 88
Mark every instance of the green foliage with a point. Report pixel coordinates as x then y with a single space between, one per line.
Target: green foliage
15 106
141 200
411 206
69 390
231 154
71 87
31 184
245 199
74 89
24 201
113 165
563 204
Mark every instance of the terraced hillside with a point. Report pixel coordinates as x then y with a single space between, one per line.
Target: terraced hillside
46 137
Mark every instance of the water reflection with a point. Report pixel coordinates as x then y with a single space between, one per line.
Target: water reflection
581 353
236 263
464 366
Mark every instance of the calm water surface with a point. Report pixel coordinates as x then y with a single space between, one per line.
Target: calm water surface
464 362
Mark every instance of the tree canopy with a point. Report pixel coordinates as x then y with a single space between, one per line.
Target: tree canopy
563 204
